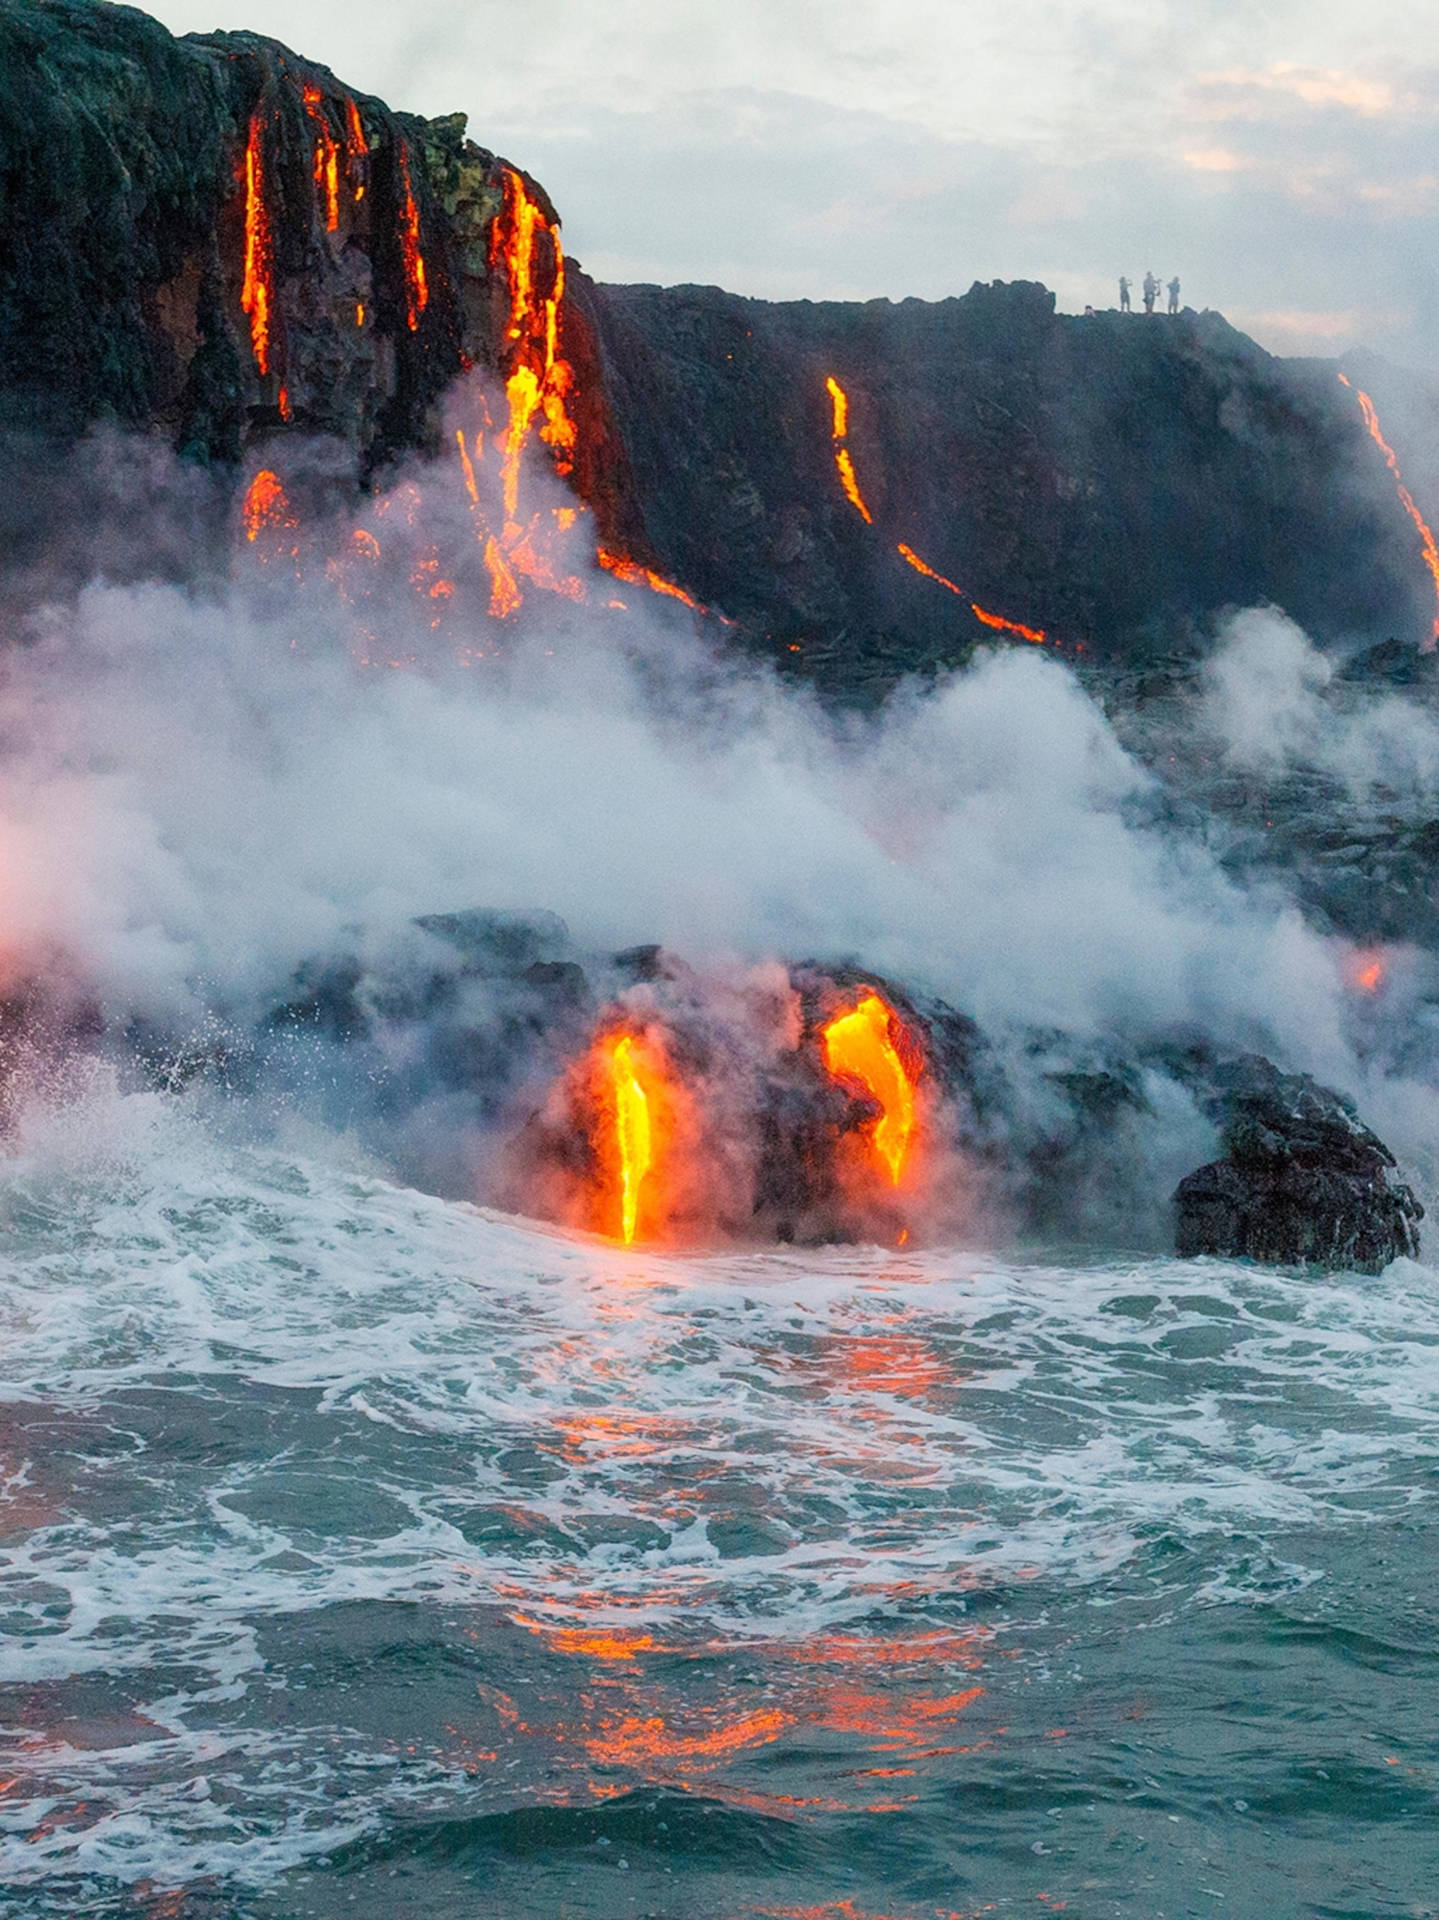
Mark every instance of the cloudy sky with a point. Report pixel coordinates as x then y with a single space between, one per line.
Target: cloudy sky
1280 156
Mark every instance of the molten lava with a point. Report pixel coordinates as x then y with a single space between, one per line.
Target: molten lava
862 1045
635 575
848 479
257 295
634 1135
327 157
266 506
357 147
1406 499
417 292
1001 625
527 246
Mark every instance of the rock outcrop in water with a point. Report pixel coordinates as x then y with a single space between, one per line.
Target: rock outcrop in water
1303 1180
214 240
495 1024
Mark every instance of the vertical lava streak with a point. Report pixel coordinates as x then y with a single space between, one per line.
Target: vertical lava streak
861 1045
1426 538
540 379
417 292
257 295
634 1136
844 465
357 148
327 157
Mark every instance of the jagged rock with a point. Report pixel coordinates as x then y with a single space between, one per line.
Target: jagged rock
1304 1181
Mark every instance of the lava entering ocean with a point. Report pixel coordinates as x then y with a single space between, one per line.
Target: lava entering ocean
869 1044
634 1134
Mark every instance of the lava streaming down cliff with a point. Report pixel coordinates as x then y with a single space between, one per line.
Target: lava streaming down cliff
257 294
327 156
417 291
1406 499
849 481
844 464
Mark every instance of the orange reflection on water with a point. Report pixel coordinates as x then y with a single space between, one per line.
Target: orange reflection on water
632 1741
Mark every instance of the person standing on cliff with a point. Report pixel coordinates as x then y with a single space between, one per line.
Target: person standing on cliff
1151 290
1124 306
1174 294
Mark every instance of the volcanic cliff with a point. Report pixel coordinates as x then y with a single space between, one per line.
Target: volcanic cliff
213 240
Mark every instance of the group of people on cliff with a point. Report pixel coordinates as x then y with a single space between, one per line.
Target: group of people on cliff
1151 294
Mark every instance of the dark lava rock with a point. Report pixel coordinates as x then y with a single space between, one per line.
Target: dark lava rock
1304 1181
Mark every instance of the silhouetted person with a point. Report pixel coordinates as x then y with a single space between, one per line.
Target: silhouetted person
1174 294
1124 306
1151 291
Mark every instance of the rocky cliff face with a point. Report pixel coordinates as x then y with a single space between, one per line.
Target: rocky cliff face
213 240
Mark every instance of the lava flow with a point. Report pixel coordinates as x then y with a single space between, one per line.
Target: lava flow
869 1044
995 620
634 1133
327 157
257 294
1431 552
417 292
848 479
540 378
266 506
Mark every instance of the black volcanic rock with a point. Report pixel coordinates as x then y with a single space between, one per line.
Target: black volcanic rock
1110 479
1115 481
1303 1182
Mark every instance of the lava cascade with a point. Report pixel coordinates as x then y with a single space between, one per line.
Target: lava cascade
417 291
633 1131
1431 552
327 157
868 1043
257 295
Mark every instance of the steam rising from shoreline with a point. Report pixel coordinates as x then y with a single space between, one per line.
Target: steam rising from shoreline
198 796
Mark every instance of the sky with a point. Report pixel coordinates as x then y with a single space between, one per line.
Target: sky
1281 156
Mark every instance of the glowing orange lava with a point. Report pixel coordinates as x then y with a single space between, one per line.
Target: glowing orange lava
257 295
417 292
327 157
1366 971
525 243
1001 625
357 147
848 479
505 595
266 505
637 576
921 566
861 1045
634 1133
1036 634
1426 538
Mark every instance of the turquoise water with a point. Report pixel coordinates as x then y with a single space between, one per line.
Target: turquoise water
367 1554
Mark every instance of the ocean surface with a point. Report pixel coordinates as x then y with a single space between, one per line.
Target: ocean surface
366 1554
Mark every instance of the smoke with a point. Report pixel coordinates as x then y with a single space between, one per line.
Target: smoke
1270 699
208 805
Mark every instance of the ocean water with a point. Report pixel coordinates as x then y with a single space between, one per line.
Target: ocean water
367 1554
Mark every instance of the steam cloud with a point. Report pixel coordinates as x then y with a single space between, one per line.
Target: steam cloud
200 793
